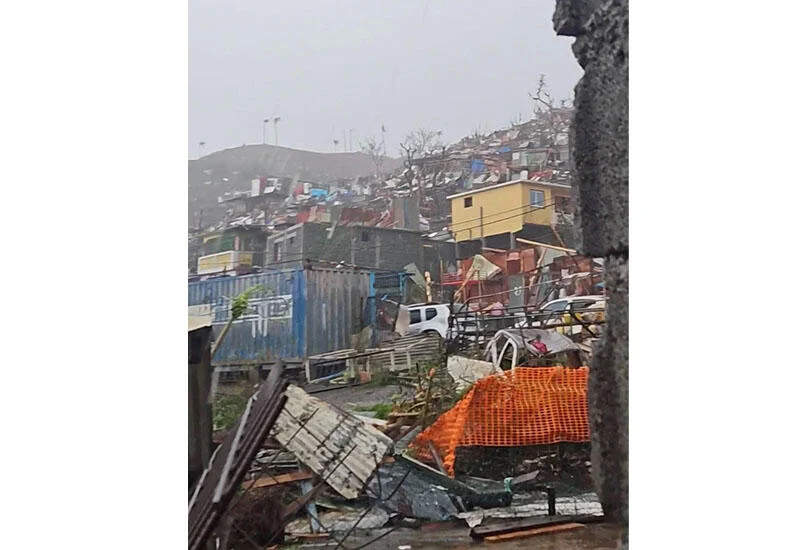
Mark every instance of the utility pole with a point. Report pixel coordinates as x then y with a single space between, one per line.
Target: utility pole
483 240
353 246
383 139
275 121
264 131
344 139
428 292
351 139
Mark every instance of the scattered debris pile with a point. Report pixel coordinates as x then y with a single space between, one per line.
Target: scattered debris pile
346 365
296 468
231 460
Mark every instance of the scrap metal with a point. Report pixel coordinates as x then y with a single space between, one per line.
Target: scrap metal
232 459
326 436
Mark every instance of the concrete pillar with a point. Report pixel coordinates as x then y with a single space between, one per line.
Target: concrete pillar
599 157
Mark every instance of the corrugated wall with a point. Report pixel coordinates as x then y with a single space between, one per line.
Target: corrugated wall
301 313
274 328
337 305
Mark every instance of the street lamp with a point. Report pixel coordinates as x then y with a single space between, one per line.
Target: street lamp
264 130
200 146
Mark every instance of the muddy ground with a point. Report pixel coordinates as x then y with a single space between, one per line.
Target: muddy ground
591 536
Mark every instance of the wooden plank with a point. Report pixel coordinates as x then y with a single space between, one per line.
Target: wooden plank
533 532
543 245
439 463
525 479
280 479
509 526
397 415
372 421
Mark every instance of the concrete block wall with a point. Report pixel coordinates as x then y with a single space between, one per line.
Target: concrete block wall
600 178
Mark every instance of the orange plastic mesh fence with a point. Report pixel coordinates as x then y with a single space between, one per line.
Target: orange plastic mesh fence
524 406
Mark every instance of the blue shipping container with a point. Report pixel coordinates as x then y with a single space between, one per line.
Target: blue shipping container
301 312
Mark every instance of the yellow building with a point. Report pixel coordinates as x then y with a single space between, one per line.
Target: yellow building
507 208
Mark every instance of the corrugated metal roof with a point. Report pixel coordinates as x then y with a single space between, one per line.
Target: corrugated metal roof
334 444
199 321
507 183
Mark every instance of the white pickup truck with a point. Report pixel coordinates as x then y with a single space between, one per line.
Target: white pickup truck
591 308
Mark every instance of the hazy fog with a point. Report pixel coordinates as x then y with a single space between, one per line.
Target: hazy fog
326 67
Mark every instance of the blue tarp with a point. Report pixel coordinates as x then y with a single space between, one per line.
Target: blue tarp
478 166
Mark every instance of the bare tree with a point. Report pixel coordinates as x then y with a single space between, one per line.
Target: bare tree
374 149
545 109
421 143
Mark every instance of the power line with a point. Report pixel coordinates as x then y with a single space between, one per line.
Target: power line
484 224
489 215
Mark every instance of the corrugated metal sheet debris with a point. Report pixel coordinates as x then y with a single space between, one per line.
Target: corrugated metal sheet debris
232 459
404 353
334 444
335 307
400 354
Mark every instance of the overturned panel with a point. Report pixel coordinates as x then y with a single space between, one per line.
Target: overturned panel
343 450
404 353
466 371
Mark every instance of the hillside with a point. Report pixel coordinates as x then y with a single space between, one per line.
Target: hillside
232 170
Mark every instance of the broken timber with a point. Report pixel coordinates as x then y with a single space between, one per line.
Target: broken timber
483 531
233 458
280 479
533 532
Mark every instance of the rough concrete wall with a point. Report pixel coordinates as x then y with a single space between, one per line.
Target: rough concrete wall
600 161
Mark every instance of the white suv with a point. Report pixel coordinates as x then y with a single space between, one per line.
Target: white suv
427 318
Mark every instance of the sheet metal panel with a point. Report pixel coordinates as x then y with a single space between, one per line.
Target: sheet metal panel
231 460
321 436
337 306
273 327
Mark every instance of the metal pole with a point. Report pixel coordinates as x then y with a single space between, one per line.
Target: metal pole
551 501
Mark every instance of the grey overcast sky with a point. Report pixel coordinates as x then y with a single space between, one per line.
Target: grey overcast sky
329 66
